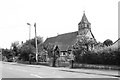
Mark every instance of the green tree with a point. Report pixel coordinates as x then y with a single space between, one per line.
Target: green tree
28 48
82 47
7 53
32 41
15 48
25 51
108 42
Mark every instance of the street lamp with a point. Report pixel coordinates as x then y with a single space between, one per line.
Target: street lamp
29 41
35 39
29 30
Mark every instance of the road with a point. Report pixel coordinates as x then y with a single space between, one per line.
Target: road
15 70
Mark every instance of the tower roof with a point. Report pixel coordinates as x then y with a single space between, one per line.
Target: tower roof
84 19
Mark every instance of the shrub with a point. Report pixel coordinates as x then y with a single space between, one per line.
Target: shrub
106 57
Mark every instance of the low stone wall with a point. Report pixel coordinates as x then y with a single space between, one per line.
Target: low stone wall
93 66
75 65
63 64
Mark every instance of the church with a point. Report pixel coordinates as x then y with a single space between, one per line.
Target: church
67 40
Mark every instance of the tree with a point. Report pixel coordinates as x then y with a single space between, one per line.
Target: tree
32 41
108 42
28 48
82 47
99 46
25 51
84 43
7 53
15 47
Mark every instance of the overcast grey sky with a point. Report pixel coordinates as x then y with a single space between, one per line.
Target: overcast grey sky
56 16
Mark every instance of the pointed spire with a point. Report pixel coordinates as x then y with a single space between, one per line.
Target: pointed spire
84 19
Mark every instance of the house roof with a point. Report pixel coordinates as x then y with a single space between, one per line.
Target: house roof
63 41
50 40
115 45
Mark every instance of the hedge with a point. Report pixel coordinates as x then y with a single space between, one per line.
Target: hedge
106 57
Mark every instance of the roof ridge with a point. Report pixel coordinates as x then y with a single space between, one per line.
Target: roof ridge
116 41
66 33
93 35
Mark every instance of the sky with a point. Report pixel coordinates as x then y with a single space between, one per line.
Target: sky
55 17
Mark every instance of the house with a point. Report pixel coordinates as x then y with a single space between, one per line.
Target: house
115 45
67 40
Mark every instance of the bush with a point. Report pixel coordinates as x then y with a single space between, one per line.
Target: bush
106 57
25 51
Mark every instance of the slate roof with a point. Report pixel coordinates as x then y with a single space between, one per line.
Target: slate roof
64 41
115 45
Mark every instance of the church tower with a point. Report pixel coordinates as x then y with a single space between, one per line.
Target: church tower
84 24
84 31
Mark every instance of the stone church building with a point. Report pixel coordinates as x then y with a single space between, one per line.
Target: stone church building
67 40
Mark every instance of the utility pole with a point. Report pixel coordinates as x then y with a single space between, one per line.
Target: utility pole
36 43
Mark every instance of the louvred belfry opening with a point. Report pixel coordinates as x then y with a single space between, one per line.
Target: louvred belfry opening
84 23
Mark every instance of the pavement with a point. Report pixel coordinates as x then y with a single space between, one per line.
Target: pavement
16 70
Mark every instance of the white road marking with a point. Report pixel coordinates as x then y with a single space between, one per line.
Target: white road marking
36 75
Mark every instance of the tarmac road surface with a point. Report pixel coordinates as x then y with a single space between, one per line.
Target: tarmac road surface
16 70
